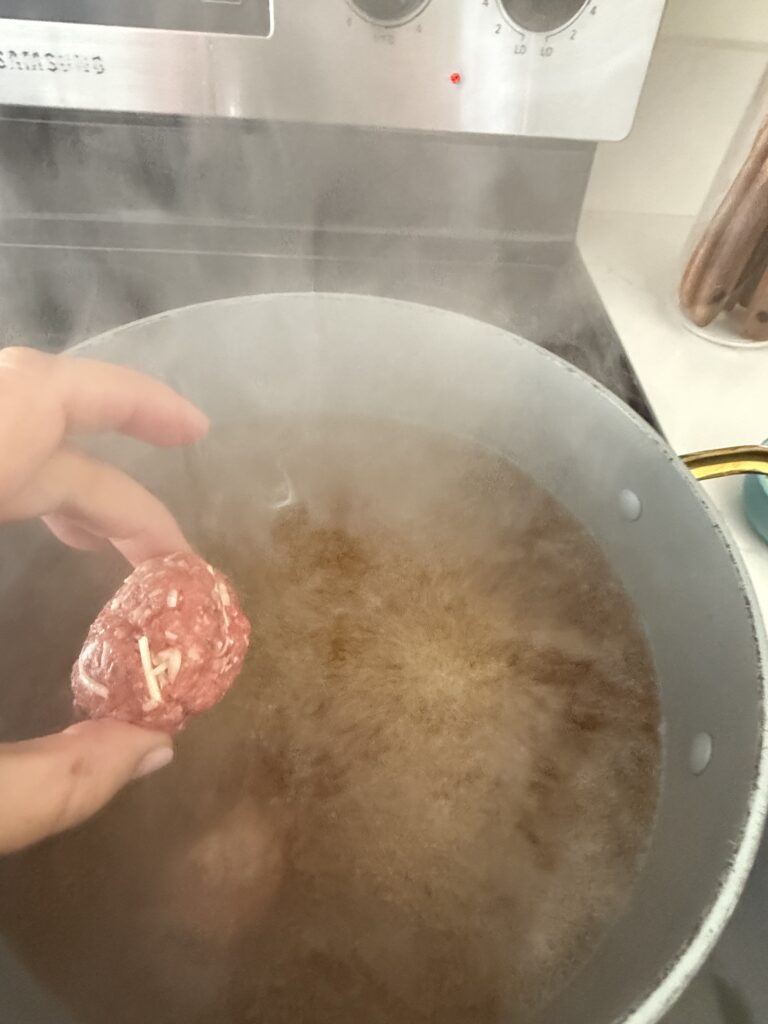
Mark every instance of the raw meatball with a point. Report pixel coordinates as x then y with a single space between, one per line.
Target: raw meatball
168 645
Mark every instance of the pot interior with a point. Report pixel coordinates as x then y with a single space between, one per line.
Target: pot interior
376 820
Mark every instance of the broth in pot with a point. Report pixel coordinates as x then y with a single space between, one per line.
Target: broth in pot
428 794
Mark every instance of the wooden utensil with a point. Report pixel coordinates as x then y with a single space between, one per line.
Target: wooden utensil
729 257
753 271
756 319
709 241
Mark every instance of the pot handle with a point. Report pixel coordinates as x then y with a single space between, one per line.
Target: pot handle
709 465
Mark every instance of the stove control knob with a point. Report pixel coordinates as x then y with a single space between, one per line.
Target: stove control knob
389 12
541 15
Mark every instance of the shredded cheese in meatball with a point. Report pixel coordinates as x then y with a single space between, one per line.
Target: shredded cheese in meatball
153 686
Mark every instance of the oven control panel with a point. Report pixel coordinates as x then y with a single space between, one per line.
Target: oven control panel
568 69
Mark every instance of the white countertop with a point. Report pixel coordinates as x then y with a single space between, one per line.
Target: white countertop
704 395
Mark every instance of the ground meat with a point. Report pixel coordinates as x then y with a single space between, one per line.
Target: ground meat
168 645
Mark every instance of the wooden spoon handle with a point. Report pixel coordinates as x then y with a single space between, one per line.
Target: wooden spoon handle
756 319
753 271
709 240
729 258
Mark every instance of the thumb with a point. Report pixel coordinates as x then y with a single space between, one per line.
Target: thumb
48 785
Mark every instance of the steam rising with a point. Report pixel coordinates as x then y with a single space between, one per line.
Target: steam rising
113 222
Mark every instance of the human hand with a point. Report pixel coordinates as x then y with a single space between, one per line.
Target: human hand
50 784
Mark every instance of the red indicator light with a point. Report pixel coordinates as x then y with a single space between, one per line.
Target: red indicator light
456 78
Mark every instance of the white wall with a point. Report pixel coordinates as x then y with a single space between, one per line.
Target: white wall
743 20
705 70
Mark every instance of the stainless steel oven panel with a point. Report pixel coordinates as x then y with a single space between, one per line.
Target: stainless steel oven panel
454 66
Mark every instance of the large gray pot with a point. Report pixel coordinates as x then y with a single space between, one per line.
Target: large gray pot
282 353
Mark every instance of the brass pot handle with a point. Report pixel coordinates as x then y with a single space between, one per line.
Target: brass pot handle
719 462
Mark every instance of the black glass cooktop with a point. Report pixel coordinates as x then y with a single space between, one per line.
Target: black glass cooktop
241 17
74 285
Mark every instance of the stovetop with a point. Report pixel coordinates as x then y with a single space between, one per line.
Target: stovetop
733 987
57 293
68 285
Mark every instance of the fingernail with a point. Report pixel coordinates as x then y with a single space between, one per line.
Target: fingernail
74 730
201 420
154 761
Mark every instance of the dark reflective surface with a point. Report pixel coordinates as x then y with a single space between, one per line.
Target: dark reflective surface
246 17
